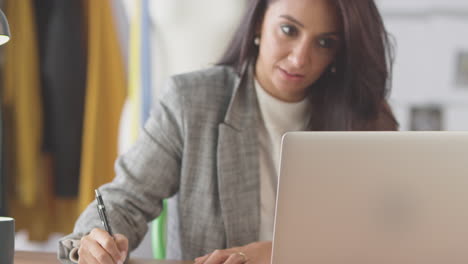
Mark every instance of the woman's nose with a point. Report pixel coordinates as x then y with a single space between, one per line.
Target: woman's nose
300 54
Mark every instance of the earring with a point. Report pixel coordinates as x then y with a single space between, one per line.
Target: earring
333 69
257 41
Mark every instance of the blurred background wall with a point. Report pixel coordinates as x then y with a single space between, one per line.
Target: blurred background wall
129 48
430 88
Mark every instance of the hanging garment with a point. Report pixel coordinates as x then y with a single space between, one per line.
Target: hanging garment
63 61
27 166
105 89
105 94
21 97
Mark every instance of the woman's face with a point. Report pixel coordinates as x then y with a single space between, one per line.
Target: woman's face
299 40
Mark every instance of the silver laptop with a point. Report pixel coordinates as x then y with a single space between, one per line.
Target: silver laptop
372 197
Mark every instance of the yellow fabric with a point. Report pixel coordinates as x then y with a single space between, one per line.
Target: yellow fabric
30 197
105 94
49 214
22 99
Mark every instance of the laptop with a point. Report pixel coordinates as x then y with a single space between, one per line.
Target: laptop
372 197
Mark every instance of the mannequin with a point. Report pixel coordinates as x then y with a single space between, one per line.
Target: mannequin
189 35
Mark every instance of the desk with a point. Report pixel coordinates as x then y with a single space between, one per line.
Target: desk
23 257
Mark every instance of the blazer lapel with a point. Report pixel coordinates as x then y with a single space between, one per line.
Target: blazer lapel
238 168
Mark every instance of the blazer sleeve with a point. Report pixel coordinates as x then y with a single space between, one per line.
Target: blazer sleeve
148 173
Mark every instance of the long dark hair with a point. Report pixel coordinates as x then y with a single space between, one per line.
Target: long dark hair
353 98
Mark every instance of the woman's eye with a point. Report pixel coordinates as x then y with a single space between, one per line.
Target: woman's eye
326 43
288 30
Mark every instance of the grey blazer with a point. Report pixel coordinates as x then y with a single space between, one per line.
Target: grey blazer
199 145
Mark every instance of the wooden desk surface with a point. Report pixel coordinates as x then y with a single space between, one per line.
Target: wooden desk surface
25 257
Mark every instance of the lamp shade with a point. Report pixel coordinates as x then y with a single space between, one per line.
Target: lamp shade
4 29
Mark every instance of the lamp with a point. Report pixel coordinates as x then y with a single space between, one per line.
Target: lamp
4 29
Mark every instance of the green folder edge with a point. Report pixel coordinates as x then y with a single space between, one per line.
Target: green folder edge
158 234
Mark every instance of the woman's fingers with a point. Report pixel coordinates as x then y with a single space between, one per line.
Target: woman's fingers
236 258
108 243
257 252
227 256
101 248
92 252
86 258
217 257
222 256
122 245
202 259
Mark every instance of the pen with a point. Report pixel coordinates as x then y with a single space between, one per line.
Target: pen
102 212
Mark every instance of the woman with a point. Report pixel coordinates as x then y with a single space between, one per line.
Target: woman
213 138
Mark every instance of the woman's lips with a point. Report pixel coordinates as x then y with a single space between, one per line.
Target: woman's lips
290 76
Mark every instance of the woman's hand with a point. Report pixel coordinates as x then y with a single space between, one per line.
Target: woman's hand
254 253
100 248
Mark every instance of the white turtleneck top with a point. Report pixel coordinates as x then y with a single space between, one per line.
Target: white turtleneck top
278 117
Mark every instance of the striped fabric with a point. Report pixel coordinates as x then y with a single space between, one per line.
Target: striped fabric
139 66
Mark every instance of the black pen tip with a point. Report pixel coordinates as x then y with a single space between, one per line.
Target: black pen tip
97 192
